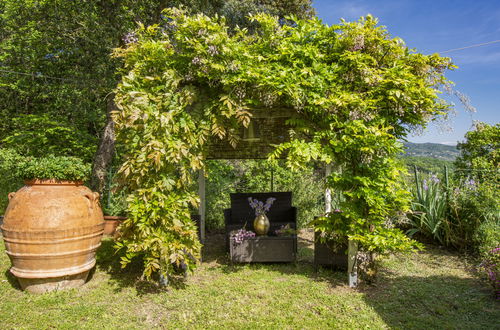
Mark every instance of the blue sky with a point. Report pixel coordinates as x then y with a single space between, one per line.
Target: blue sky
437 26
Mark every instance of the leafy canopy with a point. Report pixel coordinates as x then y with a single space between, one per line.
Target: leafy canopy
354 90
53 167
56 68
481 148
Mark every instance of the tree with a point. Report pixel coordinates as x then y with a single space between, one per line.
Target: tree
481 149
57 72
354 90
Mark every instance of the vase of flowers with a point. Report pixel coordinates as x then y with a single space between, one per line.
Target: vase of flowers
261 223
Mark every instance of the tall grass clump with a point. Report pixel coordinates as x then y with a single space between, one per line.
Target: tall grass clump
429 209
462 212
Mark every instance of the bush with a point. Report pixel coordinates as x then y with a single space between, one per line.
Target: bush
491 267
53 167
487 236
458 214
35 135
9 180
472 205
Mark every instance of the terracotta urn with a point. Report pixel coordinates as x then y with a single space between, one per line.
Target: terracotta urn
111 223
51 231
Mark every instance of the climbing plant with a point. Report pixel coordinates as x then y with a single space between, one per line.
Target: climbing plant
355 92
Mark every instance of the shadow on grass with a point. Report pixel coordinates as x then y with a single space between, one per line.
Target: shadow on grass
442 302
12 280
216 256
108 261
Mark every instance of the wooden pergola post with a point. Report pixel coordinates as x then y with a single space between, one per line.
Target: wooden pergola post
352 248
352 263
328 192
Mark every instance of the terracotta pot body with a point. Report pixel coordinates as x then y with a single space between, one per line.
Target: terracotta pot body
51 232
111 223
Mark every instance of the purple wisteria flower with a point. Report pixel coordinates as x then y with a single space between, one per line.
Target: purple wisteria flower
196 60
212 50
260 207
130 38
359 43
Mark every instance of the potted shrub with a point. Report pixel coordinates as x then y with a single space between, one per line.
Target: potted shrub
53 225
330 248
115 211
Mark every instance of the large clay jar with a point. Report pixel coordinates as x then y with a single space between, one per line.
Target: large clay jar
52 230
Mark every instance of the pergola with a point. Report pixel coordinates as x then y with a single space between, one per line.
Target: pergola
350 88
267 127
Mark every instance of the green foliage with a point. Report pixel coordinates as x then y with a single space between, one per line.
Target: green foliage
427 165
429 209
464 214
237 12
62 69
471 204
37 136
371 187
487 236
9 180
53 167
475 203
355 91
481 150
491 269
114 201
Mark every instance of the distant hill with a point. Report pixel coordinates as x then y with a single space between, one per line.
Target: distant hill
432 150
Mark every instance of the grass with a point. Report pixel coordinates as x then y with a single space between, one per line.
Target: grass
432 289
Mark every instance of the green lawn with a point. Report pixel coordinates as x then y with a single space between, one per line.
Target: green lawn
433 289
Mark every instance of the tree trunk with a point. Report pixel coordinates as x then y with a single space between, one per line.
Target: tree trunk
106 150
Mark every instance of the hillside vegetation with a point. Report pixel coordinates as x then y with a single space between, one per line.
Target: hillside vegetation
432 150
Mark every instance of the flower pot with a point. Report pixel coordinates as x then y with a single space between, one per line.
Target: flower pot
51 231
111 223
329 254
